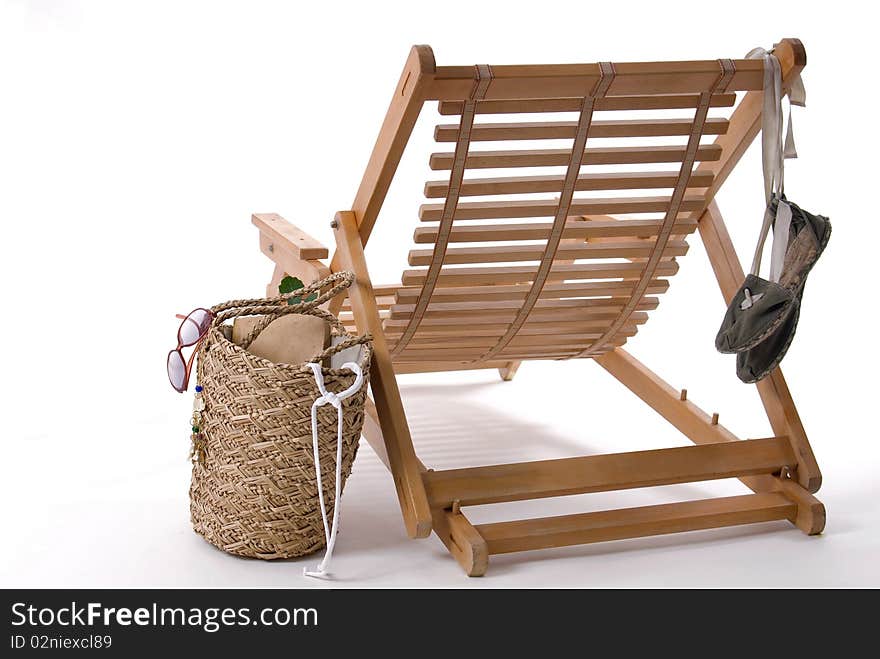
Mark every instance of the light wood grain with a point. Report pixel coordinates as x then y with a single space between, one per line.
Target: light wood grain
398 444
602 473
561 130
620 155
553 183
634 102
300 243
512 274
566 530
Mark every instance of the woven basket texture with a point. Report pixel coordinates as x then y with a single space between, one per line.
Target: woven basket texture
255 494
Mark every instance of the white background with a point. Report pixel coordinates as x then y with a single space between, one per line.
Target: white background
137 138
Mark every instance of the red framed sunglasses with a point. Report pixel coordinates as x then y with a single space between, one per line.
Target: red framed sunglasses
193 328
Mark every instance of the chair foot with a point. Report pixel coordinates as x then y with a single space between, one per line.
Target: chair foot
508 371
810 516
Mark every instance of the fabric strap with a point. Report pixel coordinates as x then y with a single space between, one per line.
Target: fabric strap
775 150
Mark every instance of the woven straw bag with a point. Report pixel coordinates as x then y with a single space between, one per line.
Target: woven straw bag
254 489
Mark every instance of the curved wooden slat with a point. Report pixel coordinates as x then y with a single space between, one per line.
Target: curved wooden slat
621 155
492 210
514 274
539 320
574 229
510 253
635 102
518 292
562 130
584 182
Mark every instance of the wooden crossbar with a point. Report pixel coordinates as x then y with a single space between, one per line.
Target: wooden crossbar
571 80
602 473
585 528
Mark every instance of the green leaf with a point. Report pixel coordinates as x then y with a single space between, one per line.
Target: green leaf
290 284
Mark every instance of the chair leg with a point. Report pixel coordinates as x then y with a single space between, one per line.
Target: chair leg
402 460
773 390
508 370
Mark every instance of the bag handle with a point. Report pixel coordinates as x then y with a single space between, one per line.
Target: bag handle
278 306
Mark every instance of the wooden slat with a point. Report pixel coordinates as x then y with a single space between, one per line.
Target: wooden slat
444 308
621 155
552 183
570 80
536 105
484 322
581 310
471 352
602 473
551 291
574 230
489 210
491 327
508 354
585 528
514 274
382 303
510 253
560 130
471 341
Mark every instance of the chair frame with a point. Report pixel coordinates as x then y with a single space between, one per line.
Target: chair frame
781 471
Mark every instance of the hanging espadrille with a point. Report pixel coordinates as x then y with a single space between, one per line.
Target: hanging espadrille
762 317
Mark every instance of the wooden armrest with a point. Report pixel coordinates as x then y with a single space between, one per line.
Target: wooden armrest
277 229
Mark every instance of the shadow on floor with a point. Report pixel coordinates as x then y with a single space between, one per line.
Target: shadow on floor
452 428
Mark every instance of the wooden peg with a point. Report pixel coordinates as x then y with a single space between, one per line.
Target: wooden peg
456 507
714 418
683 395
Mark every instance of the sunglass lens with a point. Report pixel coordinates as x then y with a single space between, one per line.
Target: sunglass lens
176 370
194 326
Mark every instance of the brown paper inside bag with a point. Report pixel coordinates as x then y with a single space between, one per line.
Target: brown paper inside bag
290 339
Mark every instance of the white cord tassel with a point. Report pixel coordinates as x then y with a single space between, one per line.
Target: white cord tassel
328 397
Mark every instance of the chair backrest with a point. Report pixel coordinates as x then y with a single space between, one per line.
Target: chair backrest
562 257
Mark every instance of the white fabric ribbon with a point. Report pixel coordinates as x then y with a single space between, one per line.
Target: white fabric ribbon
775 150
334 399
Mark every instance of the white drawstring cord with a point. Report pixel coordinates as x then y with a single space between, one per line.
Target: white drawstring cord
334 399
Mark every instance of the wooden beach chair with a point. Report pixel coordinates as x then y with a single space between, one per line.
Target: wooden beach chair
563 263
